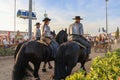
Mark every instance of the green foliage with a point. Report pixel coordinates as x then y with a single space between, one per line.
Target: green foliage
117 33
77 76
6 52
102 68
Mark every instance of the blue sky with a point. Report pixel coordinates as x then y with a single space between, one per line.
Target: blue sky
61 12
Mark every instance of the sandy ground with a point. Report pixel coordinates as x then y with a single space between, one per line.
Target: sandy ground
6 65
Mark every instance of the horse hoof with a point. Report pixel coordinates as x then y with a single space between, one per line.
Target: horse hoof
52 77
85 73
50 67
44 70
88 59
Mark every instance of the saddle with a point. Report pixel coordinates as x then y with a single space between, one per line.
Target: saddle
52 44
47 40
43 42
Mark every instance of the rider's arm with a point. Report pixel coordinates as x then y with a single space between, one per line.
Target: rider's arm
43 31
81 30
69 30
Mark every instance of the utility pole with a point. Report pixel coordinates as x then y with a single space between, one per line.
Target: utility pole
106 16
14 16
45 15
30 20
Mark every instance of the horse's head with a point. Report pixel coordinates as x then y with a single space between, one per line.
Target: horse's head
61 36
53 34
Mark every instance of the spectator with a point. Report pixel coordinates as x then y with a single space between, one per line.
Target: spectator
10 42
26 37
18 37
5 42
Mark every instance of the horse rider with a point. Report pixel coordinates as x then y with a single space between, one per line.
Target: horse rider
48 37
76 33
46 32
37 32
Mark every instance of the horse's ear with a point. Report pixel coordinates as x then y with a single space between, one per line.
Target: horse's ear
66 30
54 31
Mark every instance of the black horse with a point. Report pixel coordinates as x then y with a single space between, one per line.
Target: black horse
44 66
62 37
34 52
69 53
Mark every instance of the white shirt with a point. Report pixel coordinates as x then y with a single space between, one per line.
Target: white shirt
76 28
5 42
46 31
37 32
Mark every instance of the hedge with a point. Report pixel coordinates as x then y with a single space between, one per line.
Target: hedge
102 68
6 51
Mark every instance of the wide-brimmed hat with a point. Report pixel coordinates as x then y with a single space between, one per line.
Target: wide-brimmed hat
46 19
37 24
77 17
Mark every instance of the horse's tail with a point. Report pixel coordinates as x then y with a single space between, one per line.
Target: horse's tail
66 59
18 48
20 65
60 67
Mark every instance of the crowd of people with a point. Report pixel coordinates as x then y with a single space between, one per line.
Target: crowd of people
101 39
7 41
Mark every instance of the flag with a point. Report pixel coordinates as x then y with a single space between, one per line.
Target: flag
103 29
99 30
106 0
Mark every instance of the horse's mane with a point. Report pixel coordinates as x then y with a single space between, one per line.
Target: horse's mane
60 34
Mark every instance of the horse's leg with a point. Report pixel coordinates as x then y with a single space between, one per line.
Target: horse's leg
50 66
69 65
44 66
83 67
69 70
36 69
29 68
60 70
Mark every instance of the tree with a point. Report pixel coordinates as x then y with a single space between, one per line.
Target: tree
117 33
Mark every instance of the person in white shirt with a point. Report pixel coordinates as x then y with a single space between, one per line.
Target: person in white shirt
76 32
37 31
48 37
5 42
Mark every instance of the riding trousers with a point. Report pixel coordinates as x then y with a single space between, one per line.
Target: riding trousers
84 42
54 46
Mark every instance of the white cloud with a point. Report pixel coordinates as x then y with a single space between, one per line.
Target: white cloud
61 18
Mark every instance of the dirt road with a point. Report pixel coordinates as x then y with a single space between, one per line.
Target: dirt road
6 65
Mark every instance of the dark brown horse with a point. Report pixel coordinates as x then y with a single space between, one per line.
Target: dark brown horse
69 53
35 53
60 38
